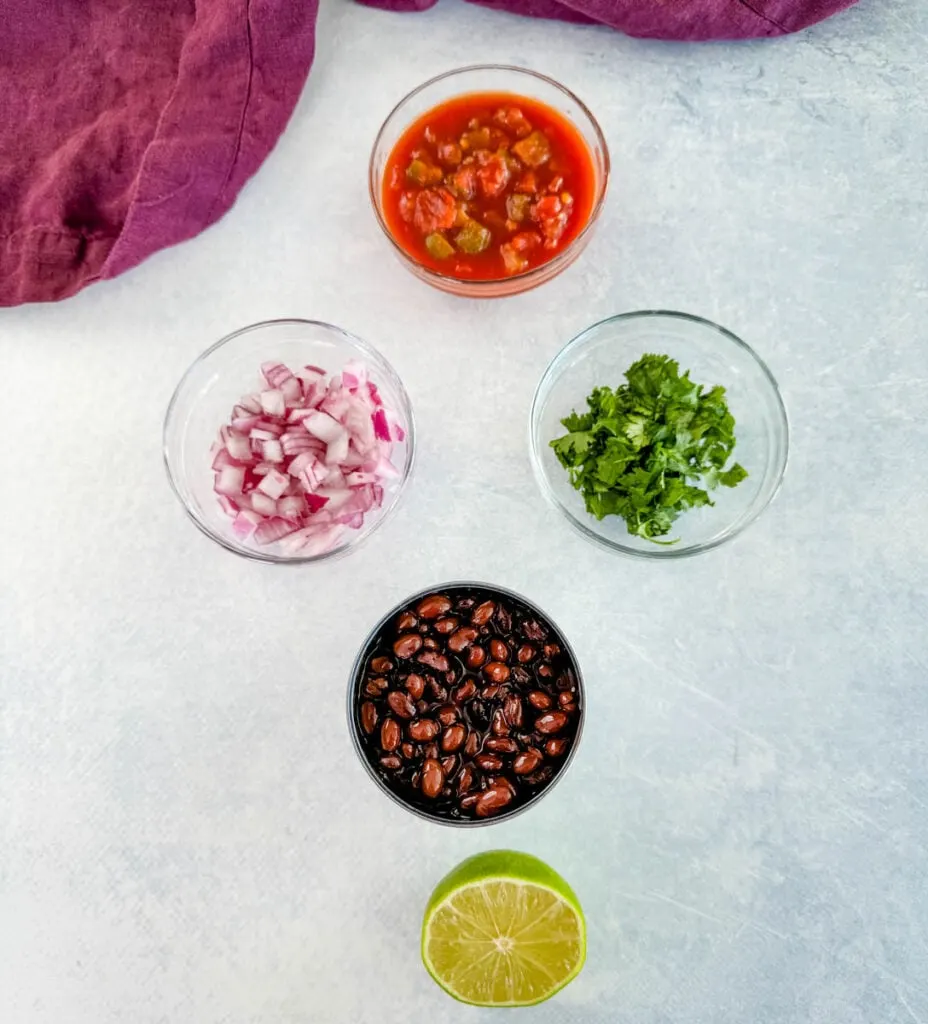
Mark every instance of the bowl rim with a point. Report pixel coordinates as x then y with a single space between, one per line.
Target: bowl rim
366 349
780 464
356 673
527 277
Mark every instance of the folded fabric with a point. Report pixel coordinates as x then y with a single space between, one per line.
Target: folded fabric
665 19
127 127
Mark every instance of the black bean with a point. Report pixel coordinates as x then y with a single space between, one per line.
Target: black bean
415 684
532 629
432 607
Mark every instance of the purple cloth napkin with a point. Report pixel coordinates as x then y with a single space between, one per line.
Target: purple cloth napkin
665 19
127 127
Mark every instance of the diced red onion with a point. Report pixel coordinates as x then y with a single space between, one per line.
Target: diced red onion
316 502
273 402
305 458
263 503
251 403
272 451
322 425
354 520
300 462
230 480
223 458
275 374
273 529
385 469
292 506
336 404
381 427
336 498
337 451
354 375
274 484
259 434
332 477
227 505
245 523
357 477
239 447
396 429
291 390
244 424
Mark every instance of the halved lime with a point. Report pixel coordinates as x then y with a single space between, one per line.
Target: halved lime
503 929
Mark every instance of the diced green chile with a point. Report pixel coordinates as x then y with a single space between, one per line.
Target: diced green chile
478 138
517 206
533 150
473 238
422 173
439 246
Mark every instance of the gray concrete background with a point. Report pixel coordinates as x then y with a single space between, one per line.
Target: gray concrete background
185 833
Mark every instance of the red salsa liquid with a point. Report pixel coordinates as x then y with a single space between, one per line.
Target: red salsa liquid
488 185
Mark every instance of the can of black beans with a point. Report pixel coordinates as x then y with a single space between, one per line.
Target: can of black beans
466 704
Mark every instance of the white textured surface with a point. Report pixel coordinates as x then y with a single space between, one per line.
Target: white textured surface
185 834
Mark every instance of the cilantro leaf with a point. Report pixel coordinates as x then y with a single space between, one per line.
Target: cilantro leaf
651 448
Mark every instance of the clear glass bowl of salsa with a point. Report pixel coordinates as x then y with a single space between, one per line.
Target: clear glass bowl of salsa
488 180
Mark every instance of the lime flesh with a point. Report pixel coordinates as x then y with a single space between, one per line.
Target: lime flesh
503 929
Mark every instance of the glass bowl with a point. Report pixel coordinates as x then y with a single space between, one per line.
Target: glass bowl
490 78
215 382
713 355
368 747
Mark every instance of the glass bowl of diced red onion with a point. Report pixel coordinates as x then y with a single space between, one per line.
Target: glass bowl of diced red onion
289 441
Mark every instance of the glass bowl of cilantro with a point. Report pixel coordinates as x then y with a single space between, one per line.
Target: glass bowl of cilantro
659 434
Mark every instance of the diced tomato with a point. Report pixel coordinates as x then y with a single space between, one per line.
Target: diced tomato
551 217
396 178
495 220
464 182
546 208
450 153
556 184
513 120
435 209
493 175
407 205
525 241
513 262
528 183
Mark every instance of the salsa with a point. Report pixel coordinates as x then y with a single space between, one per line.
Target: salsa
488 185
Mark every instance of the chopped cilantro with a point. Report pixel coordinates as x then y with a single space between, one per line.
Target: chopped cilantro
651 449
